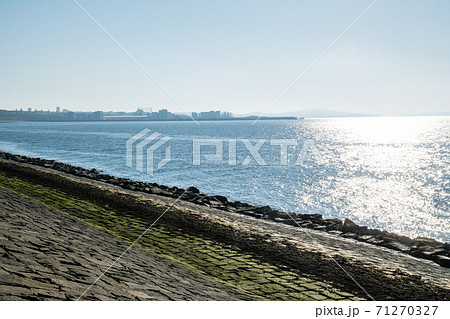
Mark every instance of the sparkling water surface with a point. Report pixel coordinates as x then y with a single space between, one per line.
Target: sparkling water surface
387 173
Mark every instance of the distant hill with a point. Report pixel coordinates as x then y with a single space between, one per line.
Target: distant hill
433 114
330 113
311 113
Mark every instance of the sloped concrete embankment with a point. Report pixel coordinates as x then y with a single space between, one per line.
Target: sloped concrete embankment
420 247
383 273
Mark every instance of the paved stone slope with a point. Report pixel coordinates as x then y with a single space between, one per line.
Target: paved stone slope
426 248
239 269
45 255
384 273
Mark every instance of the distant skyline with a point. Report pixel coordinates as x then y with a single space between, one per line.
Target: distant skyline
236 56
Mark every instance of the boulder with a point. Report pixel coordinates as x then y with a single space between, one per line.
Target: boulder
220 198
423 241
444 261
398 246
350 235
270 214
365 237
129 186
375 241
193 190
349 225
290 222
235 204
405 240
333 224
319 227
306 224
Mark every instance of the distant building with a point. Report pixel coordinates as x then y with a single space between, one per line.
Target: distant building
226 115
139 114
163 114
211 115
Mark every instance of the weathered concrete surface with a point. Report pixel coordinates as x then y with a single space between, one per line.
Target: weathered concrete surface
234 267
420 247
384 273
45 255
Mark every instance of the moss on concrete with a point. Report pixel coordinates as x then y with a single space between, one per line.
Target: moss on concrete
220 261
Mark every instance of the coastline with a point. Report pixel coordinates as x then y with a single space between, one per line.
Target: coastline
420 247
385 273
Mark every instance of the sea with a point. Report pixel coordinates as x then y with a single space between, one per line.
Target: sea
390 173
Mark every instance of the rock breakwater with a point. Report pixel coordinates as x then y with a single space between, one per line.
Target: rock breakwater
420 247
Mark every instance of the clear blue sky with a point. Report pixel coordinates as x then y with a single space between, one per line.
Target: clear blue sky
230 55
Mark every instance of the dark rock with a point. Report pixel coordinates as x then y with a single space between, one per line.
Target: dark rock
415 252
263 209
248 213
405 240
363 230
350 235
194 190
180 191
215 203
332 223
444 261
423 241
161 192
235 204
290 222
428 249
271 214
103 176
440 251
284 215
335 232
313 217
398 246
316 217
365 237
266 211
349 225
426 255
306 224
375 241
129 186
425 252
220 198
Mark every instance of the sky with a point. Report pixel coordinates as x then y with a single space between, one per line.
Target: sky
236 56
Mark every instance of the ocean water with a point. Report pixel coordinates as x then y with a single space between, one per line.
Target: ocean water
387 173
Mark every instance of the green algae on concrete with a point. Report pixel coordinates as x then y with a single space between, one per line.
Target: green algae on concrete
220 261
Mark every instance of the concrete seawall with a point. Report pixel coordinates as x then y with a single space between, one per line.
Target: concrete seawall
357 267
420 247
